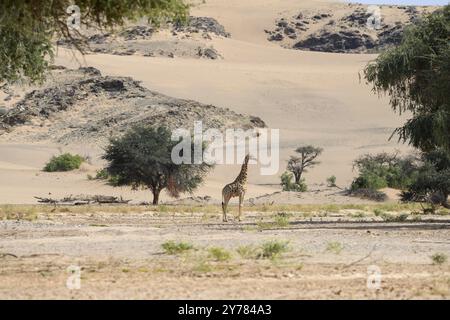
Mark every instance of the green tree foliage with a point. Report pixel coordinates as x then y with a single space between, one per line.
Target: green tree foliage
384 170
289 185
64 162
416 75
307 159
27 28
432 184
142 159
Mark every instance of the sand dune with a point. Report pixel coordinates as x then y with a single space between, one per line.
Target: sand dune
311 97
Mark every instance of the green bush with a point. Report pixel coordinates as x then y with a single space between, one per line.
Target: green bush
247 251
289 185
335 247
394 218
103 174
219 254
172 247
439 258
369 180
64 162
432 183
273 249
384 170
331 181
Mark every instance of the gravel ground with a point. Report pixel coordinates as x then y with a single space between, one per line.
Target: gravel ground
120 256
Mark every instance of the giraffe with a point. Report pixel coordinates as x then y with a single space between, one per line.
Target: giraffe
237 188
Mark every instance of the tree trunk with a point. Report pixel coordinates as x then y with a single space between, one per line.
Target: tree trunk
298 176
156 197
445 203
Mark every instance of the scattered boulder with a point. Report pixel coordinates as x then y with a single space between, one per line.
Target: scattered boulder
348 32
342 41
289 30
98 38
139 39
202 24
209 53
391 36
137 32
358 18
276 37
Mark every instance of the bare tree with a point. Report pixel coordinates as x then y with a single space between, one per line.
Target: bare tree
307 159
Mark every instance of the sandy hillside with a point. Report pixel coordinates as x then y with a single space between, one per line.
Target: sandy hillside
312 97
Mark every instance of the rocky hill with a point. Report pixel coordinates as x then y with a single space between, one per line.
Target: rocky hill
82 106
173 40
345 29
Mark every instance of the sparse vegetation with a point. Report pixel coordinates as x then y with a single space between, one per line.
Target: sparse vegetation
377 212
331 181
203 266
172 247
64 162
273 249
247 252
291 209
387 217
335 247
9 212
219 254
358 214
280 221
103 174
439 258
289 185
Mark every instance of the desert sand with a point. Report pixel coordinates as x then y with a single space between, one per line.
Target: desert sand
311 97
333 240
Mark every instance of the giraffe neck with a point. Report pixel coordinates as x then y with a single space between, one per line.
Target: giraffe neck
242 177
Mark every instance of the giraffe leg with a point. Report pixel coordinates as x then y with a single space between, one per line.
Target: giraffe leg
226 199
241 201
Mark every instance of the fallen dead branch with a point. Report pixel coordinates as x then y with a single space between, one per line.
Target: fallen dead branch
84 200
3 255
359 260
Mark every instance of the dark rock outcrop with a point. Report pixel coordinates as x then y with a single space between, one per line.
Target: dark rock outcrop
342 41
82 106
343 32
202 24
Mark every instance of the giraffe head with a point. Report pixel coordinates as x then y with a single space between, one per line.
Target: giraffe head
249 157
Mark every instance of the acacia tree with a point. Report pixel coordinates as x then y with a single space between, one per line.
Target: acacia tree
307 159
142 159
432 184
416 75
28 27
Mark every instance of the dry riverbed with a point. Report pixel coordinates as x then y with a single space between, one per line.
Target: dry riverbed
285 252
